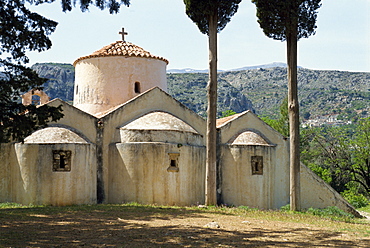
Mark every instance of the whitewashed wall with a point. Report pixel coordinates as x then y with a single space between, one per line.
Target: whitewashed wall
139 172
31 179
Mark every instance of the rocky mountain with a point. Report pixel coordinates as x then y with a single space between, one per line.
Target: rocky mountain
191 90
261 90
61 79
320 92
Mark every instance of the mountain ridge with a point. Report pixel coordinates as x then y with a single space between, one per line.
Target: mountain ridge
321 92
263 66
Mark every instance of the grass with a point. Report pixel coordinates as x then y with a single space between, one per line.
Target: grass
365 209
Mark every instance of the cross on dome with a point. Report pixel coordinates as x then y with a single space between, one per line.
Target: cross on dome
123 33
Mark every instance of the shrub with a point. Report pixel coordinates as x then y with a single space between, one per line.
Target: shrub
355 199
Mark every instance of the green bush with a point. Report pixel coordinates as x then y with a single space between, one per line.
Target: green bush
285 208
332 212
355 199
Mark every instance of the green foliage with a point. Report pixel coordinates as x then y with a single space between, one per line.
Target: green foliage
340 155
279 18
282 124
285 208
330 212
227 113
10 205
365 209
112 5
21 31
199 12
356 199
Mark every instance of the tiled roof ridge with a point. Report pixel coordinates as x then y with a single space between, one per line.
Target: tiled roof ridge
121 48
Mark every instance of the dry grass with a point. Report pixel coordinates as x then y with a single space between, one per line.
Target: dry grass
133 225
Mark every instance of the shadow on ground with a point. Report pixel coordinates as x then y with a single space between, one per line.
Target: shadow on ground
125 226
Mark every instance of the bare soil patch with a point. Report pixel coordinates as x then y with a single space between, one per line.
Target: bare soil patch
147 226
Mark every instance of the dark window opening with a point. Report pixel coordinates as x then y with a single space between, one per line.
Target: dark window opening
173 162
77 90
257 165
36 100
137 87
62 160
62 163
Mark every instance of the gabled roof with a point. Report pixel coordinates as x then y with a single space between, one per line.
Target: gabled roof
221 121
121 48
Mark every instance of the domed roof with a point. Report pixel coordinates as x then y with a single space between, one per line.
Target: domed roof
121 48
249 138
159 121
54 135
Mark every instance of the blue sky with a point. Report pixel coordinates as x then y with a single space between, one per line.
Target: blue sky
342 40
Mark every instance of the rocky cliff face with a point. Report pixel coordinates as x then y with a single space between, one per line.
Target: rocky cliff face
191 90
61 79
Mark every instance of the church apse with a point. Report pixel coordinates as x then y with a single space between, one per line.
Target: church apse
156 161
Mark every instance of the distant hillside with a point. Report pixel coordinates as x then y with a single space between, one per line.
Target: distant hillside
262 90
191 90
320 92
265 66
61 79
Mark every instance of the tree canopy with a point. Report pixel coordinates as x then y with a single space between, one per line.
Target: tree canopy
200 10
21 30
340 155
112 5
279 18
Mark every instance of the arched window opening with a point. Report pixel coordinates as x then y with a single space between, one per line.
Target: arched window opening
137 87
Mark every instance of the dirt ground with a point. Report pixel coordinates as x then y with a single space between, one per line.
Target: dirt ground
161 228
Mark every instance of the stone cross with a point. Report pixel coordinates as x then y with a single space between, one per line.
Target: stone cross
123 33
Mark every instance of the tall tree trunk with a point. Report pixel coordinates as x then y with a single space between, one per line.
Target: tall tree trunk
211 196
293 106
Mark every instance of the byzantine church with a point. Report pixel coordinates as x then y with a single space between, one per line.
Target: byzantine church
125 139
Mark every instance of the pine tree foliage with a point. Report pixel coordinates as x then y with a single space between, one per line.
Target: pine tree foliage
21 30
200 10
112 5
276 17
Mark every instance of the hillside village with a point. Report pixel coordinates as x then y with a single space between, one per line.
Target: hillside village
329 120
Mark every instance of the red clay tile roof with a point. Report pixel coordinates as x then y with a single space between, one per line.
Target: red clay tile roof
222 121
121 48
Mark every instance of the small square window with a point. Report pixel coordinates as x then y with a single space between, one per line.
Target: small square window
62 160
257 165
173 162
